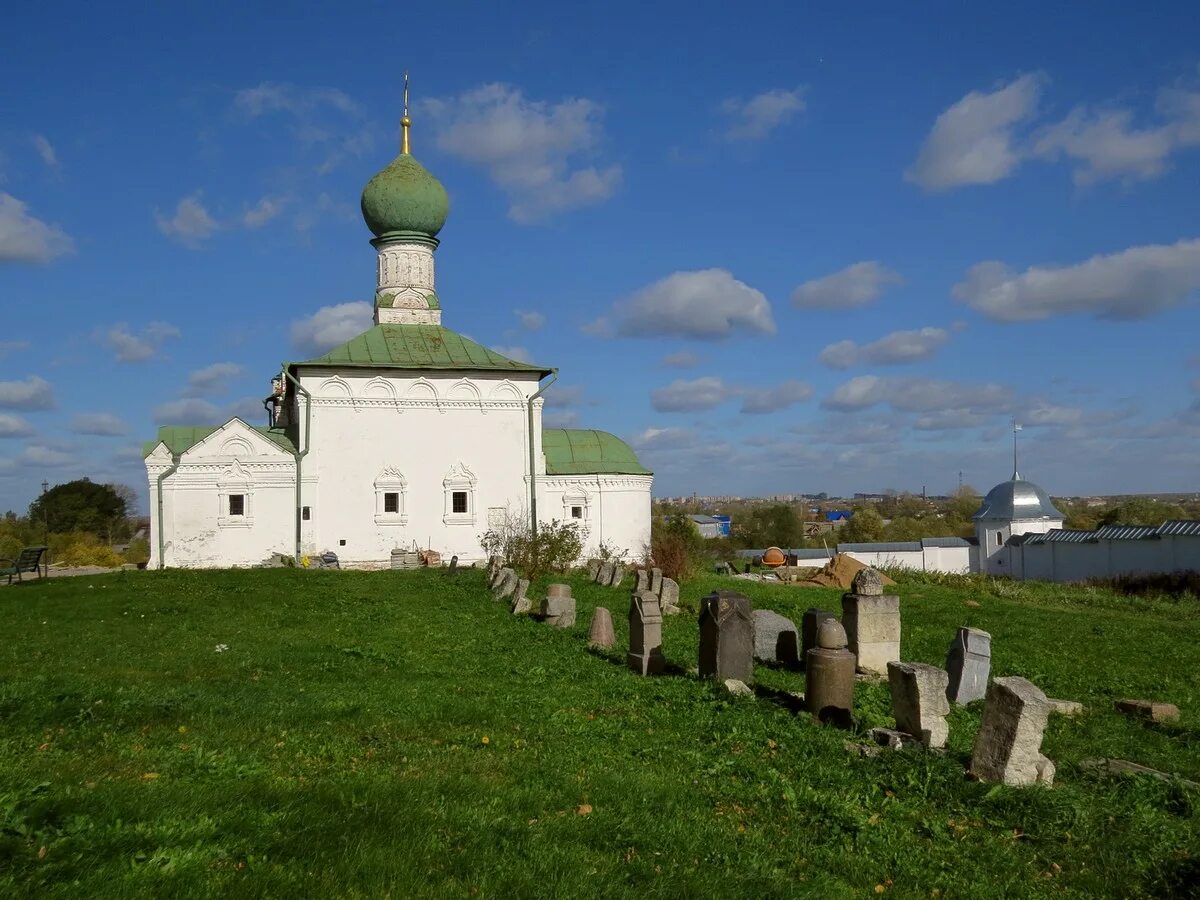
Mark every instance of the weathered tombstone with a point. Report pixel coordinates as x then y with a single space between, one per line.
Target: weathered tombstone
668 595
813 617
645 635
829 676
775 638
727 637
494 565
1008 747
872 623
601 633
453 570
593 569
605 573
520 602
558 606
656 580
618 574
506 584
919 701
867 582
1153 710
643 581
968 662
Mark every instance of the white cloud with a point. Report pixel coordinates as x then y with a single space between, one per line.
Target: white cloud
663 439
921 395
685 396
972 141
32 393
45 150
213 379
755 118
530 320
331 325
1131 284
684 359
187 411
262 212
42 455
271 96
520 354
773 399
709 304
893 349
529 148
854 286
13 426
105 424
26 239
130 347
1106 146
191 224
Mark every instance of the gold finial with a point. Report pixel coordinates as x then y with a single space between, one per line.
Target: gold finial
405 121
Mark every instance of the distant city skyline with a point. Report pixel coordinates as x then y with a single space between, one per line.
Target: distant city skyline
820 247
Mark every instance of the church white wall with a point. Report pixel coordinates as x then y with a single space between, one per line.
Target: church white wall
955 560
616 509
198 531
426 436
994 558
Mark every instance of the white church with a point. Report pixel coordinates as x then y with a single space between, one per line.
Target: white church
407 436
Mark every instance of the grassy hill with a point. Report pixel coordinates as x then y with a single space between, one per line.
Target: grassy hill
295 733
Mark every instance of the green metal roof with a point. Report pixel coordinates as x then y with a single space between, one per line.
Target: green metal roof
418 347
583 451
181 438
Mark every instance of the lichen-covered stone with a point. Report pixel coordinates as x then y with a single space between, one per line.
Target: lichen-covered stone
727 636
919 701
775 638
1008 746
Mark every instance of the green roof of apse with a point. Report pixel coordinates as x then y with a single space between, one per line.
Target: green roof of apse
582 451
181 438
393 346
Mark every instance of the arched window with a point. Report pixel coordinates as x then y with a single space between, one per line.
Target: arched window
235 498
391 497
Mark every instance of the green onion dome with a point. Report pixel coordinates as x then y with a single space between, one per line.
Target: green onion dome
405 199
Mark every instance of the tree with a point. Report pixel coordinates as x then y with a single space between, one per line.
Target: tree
1141 511
776 525
79 506
865 525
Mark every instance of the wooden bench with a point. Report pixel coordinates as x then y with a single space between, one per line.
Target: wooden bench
28 561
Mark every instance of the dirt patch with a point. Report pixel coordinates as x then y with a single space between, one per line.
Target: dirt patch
839 572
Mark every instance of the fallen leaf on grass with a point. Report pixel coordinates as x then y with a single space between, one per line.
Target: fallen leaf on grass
149 776
583 809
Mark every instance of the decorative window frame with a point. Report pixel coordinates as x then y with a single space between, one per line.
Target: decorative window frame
235 480
391 480
459 478
576 498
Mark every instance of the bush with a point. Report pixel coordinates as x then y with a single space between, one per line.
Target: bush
137 552
676 546
557 546
79 548
1182 583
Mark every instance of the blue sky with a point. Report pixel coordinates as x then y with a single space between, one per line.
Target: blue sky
791 250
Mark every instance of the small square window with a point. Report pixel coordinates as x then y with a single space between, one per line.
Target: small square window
391 502
458 502
306 513
237 504
576 512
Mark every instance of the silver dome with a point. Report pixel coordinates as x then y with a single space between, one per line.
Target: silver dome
1017 499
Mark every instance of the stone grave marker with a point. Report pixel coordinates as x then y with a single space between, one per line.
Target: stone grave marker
867 583
829 676
601 633
605 574
775 638
618 574
645 635
453 570
872 623
558 606
668 595
813 617
593 569
727 637
520 602
506 584
656 580
643 581
919 701
1148 709
1009 744
968 662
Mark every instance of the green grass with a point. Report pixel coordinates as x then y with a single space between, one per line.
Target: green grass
376 734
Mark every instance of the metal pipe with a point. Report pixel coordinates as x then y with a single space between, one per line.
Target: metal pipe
161 478
300 454
532 467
